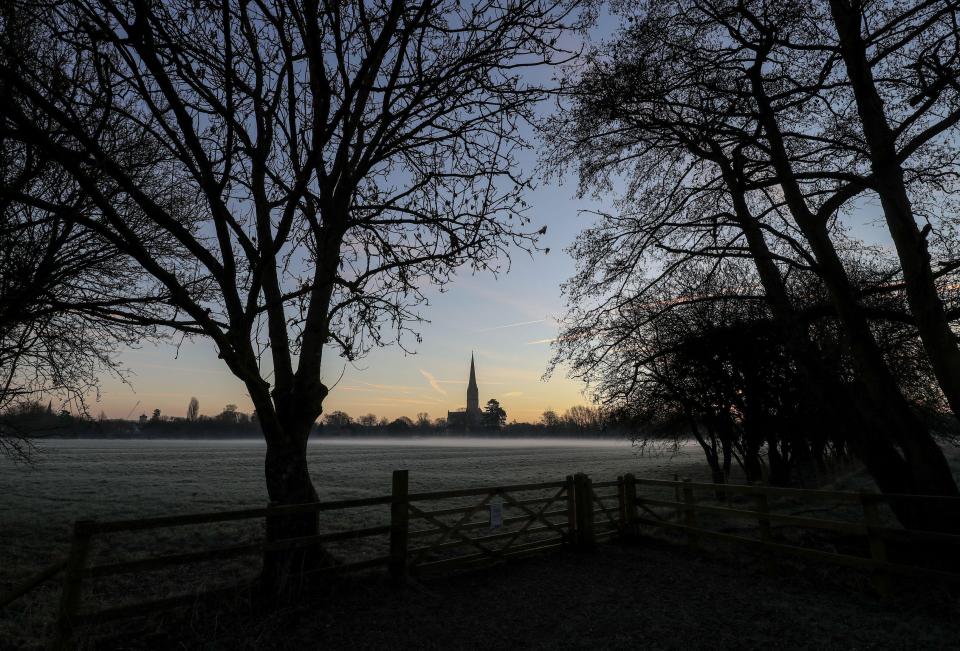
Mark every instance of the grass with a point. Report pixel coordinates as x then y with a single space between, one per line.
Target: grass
131 479
120 479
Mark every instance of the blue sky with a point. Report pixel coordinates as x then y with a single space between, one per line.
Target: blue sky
506 321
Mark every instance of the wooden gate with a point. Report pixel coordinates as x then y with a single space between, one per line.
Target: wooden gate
489 524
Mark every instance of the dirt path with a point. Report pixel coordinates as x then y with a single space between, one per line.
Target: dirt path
650 597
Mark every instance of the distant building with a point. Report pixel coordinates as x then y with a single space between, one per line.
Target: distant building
471 417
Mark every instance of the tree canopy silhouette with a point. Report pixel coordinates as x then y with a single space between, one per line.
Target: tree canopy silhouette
337 160
752 130
69 300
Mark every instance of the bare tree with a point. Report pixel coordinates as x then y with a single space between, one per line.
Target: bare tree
733 143
49 349
193 410
550 420
794 86
583 419
342 157
902 62
68 299
337 420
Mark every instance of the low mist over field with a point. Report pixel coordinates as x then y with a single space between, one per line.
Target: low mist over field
126 479
73 479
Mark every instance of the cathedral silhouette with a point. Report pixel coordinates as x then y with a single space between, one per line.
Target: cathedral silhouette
471 417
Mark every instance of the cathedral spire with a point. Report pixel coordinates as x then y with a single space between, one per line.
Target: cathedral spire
473 393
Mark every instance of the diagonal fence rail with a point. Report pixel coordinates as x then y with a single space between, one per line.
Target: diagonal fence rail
504 522
464 527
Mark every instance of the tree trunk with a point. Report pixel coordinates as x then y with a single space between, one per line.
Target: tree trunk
893 427
289 483
752 464
779 468
888 410
709 448
727 459
910 242
823 389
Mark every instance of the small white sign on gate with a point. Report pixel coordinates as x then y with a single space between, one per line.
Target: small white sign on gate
496 514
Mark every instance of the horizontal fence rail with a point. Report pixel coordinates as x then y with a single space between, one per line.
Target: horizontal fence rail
451 528
79 570
224 516
462 528
681 516
535 524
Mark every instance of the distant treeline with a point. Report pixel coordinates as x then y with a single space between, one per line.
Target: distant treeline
579 421
41 421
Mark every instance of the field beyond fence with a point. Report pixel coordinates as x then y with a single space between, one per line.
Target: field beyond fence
423 532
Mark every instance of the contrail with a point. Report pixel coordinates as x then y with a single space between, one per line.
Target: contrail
512 325
433 382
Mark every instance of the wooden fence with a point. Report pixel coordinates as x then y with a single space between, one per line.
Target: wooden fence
681 514
423 532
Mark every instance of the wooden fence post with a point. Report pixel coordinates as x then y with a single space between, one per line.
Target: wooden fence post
621 505
583 490
73 582
763 508
571 511
676 498
878 548
399 525
766 534
630 505
690 517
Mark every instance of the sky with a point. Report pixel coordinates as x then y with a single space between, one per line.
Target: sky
506 322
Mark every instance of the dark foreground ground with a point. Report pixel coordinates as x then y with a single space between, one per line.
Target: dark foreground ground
650 596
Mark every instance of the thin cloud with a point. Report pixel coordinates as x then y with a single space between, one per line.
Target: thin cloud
433 382
388 387
512 325
410 401
553 339
524 306
181 369
512 394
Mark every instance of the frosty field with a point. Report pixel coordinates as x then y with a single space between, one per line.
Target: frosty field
115 479
111 479
119 479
